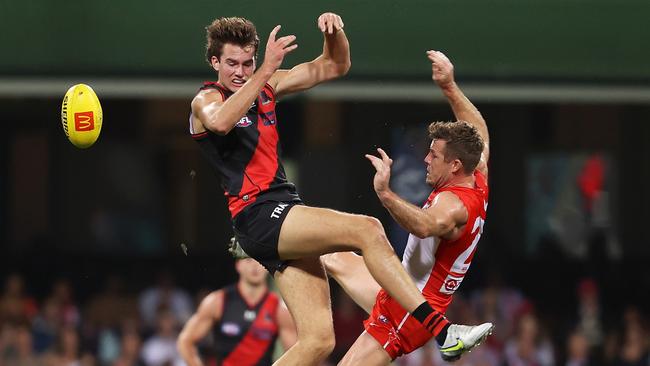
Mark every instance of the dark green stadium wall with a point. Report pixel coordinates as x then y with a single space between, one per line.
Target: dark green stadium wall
490 39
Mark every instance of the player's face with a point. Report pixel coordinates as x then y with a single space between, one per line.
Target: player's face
251 272
439 171
236 65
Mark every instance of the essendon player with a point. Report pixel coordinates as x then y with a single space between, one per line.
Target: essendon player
443 239
245 320
234 122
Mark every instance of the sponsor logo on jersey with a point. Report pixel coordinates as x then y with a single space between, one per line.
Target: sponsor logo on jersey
451 284
278 210
231 329
84 121
262 333
269 118
244 122
268 317
265 98
383 319
250 315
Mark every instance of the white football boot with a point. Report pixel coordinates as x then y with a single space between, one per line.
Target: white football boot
462 338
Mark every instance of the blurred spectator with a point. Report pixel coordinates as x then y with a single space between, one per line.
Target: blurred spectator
7 336
130 349
589 317
165 293
67 351
578 353
47 324
62 293
634 349
16 346
105 314
108 346
160 349
609 353
112 329
498 304
15 304
112 296
529 345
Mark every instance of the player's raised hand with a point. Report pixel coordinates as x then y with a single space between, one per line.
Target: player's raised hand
276 49
330 23
382 166
442 70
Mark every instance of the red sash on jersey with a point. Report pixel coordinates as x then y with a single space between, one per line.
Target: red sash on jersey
253 347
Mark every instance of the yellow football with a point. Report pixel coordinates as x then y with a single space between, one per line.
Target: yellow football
81 115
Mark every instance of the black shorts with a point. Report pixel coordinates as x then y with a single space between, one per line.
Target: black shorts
258 230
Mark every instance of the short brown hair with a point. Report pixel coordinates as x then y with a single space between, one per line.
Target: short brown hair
235 30
463 142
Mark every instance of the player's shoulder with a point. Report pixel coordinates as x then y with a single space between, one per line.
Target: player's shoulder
213 298
448 205
277 77
448 198
205 96
212 304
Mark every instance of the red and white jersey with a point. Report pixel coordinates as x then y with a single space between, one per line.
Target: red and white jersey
438 266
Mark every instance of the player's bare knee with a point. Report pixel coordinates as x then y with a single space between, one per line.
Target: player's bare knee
332 263
319 345
371 231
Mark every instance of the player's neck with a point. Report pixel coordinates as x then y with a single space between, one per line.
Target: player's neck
251 293
461 180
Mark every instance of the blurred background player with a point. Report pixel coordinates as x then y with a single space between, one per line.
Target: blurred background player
443 236
245 320
234 122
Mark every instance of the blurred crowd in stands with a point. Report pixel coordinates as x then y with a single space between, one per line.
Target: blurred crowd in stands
120 327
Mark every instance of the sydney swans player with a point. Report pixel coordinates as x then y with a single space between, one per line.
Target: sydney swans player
443 239
233 120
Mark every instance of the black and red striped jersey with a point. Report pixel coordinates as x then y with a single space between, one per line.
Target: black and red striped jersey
247 158
246 334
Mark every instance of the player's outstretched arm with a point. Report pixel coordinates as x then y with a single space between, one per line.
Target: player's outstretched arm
198 326
221 116
443 74
441 219
332 63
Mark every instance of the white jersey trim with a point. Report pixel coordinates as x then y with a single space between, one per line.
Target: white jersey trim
419 258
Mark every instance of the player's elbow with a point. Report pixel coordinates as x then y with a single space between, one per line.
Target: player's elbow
183 343
180 347
432 228
421 231
336 69
218 127
344 67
